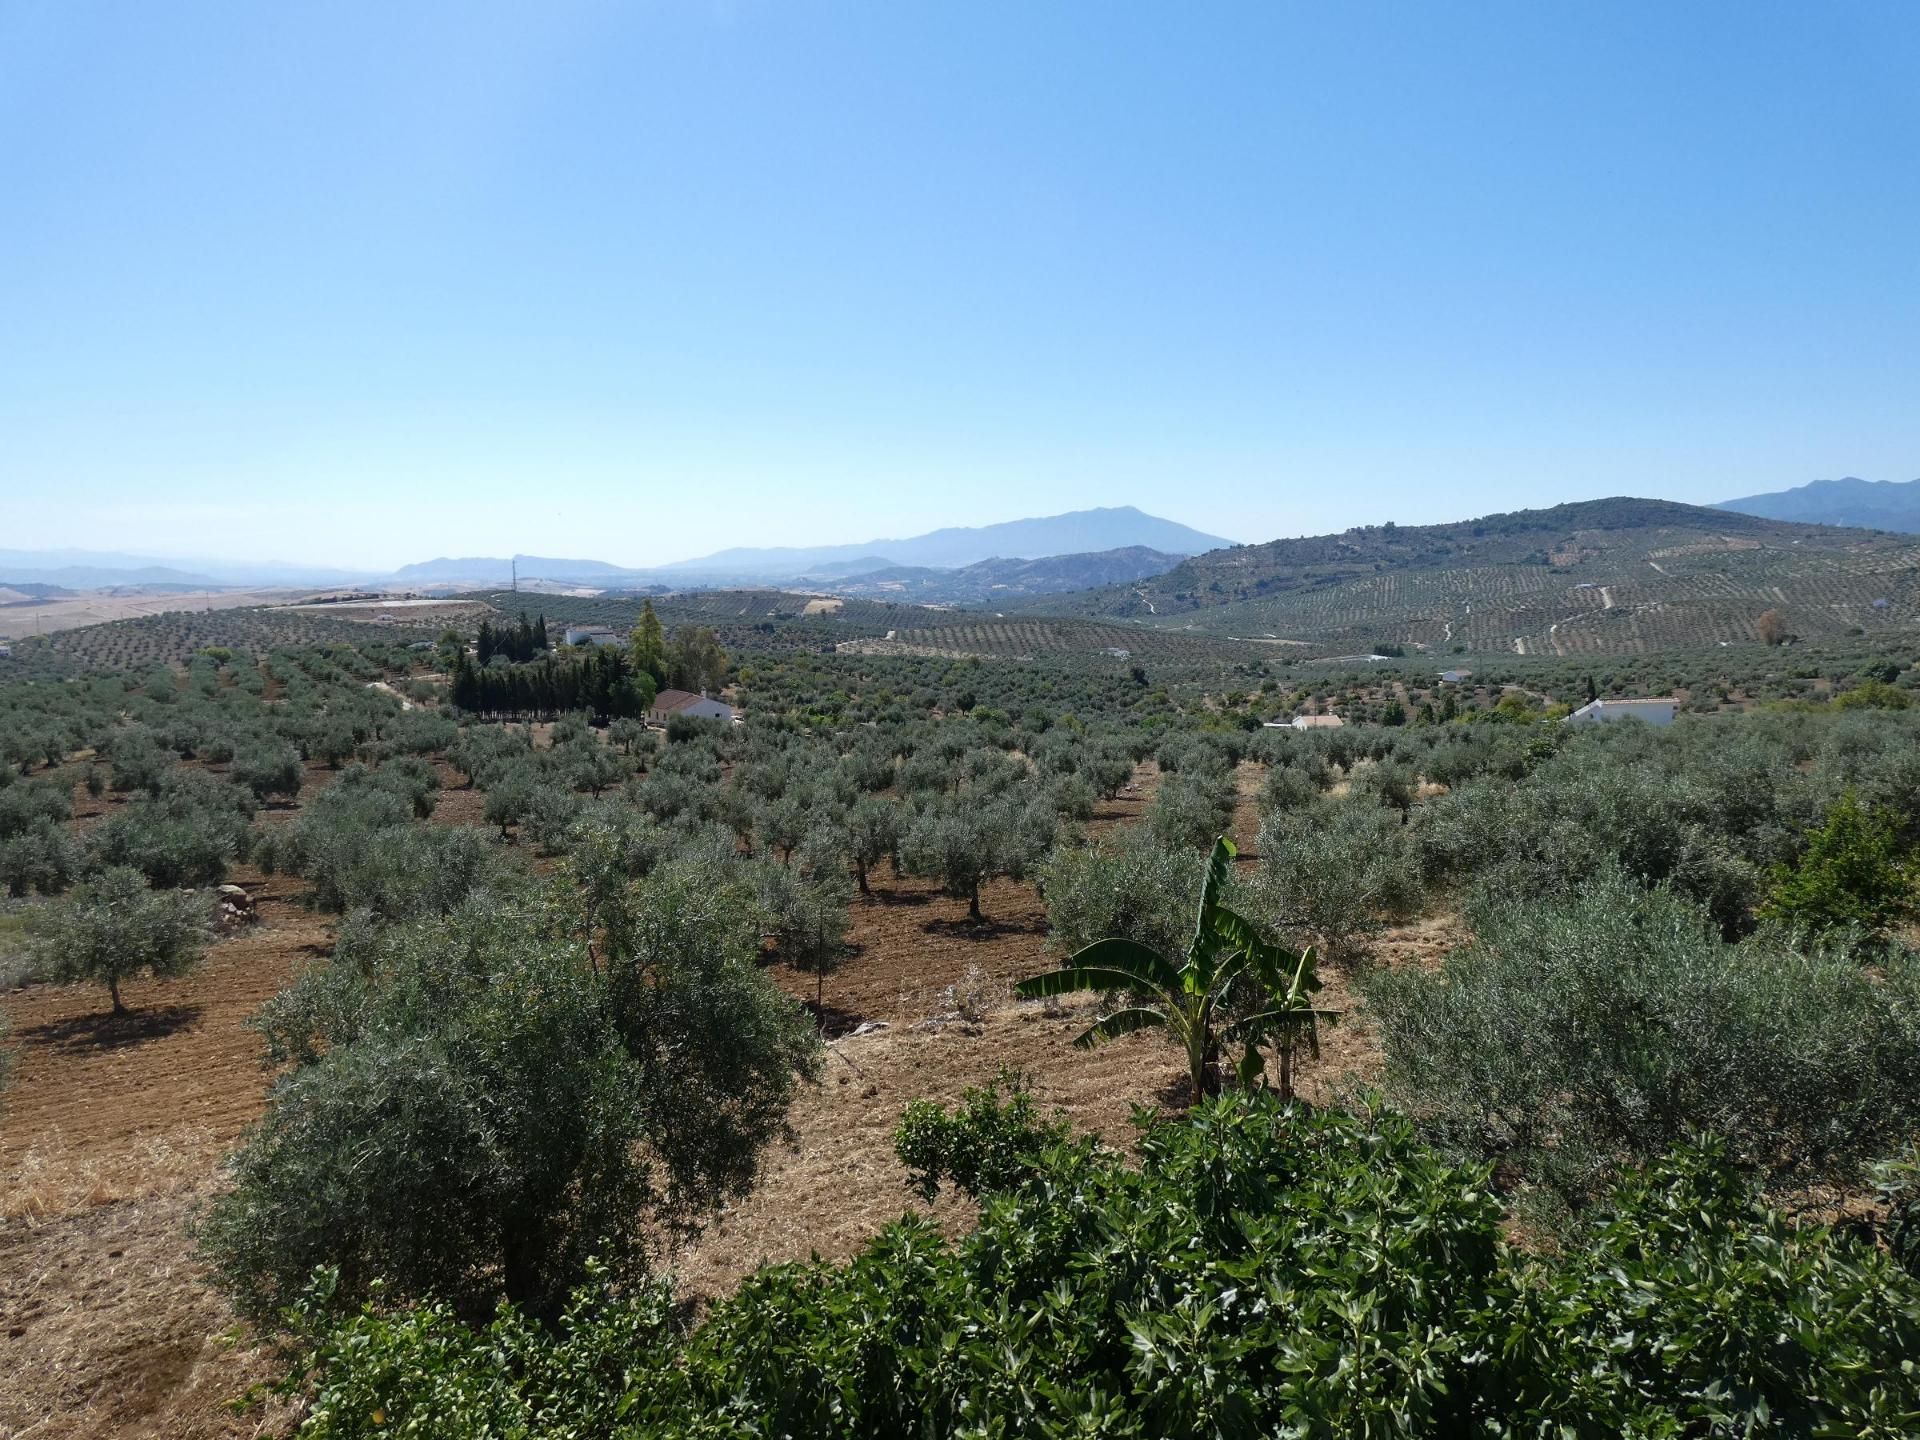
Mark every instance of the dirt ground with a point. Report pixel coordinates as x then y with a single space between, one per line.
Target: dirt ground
109 1134
113 1131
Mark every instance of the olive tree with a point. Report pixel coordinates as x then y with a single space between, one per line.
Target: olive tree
268 770
1611 1023
1192 807
510 799
1136 886
805 914
42 855
873 834
185 833
1334 872
963 842
479 1106
115 927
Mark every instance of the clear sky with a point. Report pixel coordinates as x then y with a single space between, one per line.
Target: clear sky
368 283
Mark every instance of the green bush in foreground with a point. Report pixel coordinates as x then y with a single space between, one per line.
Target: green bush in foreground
1851 875
1266 1270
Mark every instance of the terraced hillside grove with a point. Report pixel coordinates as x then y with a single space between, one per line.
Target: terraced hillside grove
958 634
1617 576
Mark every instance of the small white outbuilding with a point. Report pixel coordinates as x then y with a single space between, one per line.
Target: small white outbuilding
1659 711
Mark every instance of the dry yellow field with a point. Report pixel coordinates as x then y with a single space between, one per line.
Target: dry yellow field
96 607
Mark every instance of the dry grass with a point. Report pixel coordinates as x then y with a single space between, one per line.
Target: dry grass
97 607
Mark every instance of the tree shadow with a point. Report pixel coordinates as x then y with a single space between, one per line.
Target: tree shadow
1176 1095
105 1030
986 928
897 897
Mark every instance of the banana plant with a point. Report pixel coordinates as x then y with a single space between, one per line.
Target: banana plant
1190 997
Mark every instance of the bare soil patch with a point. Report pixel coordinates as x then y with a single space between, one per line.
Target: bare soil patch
113 1128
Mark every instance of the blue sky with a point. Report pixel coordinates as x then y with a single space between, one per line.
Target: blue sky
368 283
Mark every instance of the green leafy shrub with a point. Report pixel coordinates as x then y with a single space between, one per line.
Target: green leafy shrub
1692 1311
1851 875
1898 1181
984 1144
1266 1270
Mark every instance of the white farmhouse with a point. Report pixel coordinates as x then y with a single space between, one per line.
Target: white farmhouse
1658 711
669 703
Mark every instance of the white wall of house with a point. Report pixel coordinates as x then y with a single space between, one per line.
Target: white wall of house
1651 712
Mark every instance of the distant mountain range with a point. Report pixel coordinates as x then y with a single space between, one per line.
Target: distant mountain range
497 570
1872 504
1594 578
1077 534
106 569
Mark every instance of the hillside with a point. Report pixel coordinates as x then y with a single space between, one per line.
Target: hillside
996 580
1599 576
1872 504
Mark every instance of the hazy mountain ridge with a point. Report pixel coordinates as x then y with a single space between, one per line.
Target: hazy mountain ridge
1077 532
1870 504
105 569
491 569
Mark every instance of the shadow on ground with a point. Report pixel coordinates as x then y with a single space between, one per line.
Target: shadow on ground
986 928
108 1031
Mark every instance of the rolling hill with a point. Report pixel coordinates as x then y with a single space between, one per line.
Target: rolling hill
1618 575
1873 504
997 580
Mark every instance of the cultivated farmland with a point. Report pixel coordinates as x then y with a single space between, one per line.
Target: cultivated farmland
853 882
